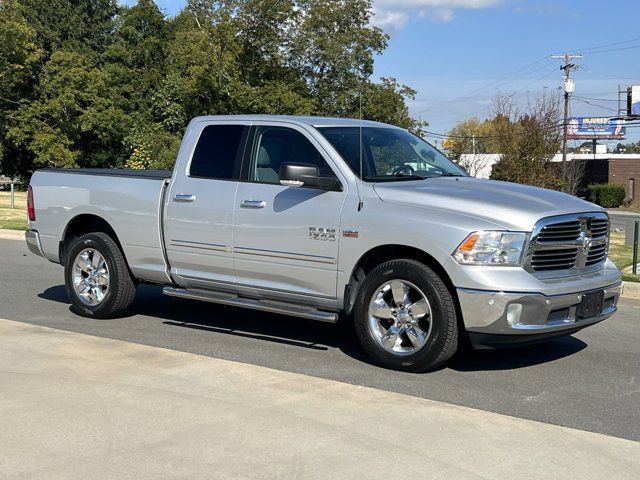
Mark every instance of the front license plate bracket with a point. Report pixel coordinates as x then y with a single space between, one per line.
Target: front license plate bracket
591 305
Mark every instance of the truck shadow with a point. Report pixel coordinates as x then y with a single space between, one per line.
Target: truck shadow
311 335
518 357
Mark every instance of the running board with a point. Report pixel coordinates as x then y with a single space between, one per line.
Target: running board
263 305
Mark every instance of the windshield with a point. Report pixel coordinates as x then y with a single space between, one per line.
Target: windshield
389 154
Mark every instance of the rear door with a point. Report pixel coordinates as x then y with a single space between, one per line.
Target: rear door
200 206
286 238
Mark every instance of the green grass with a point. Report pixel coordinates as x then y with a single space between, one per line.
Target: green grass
13 219
622 255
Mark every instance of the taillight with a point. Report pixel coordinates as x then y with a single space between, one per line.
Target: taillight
31 209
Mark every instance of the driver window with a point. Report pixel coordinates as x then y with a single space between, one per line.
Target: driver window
277 145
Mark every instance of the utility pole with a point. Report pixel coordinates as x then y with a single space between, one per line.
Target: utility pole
618 99
568 90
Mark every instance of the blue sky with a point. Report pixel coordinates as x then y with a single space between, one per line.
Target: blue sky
447 49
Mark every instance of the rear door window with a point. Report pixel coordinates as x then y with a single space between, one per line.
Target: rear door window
218 152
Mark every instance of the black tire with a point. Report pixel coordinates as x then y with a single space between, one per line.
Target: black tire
122 288
442 342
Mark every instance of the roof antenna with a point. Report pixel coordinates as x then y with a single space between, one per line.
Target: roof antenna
360 202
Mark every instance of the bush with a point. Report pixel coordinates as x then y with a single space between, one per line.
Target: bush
607 195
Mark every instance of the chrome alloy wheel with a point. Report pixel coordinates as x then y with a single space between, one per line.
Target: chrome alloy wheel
90 277
400 317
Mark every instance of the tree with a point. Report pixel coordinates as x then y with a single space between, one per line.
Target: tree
90 83
469 141
527 139
19 55
333 50
628 147
73 120
385 101
79 25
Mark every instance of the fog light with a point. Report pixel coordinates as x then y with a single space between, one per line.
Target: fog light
513 313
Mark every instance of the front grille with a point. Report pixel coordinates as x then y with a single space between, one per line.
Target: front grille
597 254
568 243
554 259
599 227
558 232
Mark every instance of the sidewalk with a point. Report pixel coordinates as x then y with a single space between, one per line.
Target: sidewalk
77 406
11 234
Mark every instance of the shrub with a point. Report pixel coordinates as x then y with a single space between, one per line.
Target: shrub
607 195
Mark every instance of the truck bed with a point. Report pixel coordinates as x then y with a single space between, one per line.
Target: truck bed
128 200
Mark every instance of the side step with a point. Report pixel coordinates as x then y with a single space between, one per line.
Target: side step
263 305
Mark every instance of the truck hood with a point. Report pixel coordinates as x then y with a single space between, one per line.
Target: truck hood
510 205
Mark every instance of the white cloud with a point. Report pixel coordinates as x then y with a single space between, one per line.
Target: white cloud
442 15
390 19
396 13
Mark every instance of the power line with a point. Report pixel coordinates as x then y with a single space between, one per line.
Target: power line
615 49
586 50
625 77
594 104
489 85
596 99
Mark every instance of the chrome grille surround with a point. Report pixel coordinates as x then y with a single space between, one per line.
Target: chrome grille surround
567 245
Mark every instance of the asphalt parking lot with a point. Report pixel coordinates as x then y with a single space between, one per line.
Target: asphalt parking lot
588 381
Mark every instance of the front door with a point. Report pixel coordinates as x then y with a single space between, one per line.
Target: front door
286 238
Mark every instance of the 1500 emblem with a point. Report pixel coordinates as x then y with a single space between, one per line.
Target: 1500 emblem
320 233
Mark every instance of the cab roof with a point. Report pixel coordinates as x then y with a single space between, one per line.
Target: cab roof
307 120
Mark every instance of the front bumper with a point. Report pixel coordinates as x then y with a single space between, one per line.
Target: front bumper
33 242
495 319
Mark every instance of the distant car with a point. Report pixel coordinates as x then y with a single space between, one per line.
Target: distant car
310 217
5 182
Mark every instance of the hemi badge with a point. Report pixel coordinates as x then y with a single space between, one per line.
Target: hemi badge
350 233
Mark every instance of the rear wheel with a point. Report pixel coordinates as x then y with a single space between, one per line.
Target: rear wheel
97 278
405 317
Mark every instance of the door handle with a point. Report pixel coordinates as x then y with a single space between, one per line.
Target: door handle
253 204
184 198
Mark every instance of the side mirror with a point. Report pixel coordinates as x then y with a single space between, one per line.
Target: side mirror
299 174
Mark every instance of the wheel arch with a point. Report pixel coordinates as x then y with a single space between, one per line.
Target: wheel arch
383 253
81 225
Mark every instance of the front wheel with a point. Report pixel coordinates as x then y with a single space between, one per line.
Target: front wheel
97 278
405 317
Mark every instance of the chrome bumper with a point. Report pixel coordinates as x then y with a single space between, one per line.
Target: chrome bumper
33 242
528 315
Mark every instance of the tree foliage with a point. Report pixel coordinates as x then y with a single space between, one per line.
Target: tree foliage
526 138
91 83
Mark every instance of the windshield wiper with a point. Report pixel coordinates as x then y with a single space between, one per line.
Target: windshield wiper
405 175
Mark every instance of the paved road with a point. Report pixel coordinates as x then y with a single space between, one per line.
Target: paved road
622 219
589 381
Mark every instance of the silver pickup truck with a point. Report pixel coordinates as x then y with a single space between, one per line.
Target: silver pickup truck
313 217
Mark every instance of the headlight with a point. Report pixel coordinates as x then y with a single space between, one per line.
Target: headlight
491 248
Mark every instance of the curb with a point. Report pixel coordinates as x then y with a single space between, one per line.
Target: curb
11 234
630 290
